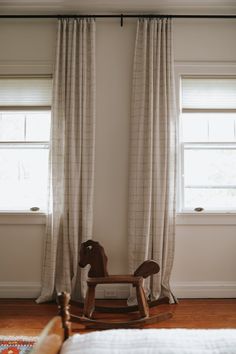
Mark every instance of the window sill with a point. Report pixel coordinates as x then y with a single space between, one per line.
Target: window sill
22 218
185 218
206 218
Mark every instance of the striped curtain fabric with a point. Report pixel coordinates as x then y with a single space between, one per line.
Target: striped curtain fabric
152 179
70 217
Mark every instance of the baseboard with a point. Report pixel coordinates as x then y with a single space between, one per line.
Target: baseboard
180 289
31 290
204 289
22 290
112 291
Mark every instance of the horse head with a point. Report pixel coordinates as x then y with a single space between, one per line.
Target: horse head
91 252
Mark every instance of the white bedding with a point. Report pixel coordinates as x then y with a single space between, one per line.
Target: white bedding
153 341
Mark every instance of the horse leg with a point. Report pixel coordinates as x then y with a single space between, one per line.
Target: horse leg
142 301
89 303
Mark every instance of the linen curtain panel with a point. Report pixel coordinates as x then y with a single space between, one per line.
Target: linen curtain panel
152 178
70 217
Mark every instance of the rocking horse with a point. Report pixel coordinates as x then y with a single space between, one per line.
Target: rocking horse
91 252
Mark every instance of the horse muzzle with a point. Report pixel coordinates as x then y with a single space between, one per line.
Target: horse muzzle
82 265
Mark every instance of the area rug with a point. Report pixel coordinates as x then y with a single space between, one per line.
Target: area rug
16 345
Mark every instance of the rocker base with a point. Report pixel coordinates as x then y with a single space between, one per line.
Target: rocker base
122 309
97 324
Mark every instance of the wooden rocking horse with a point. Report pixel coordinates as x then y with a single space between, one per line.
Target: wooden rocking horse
91 252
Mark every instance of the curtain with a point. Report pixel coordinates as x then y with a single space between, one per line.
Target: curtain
152 177
70 216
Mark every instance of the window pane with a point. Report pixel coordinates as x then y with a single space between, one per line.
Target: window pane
12 126
194 127
211 199
23 178
207 167
25 126
38 126
221 127
213 93
212 127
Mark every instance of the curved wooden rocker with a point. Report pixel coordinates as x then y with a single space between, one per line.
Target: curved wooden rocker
91 252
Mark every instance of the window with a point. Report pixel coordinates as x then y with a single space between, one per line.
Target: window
208 143
24 142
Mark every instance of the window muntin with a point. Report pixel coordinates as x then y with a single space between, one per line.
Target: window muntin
24 144
208 145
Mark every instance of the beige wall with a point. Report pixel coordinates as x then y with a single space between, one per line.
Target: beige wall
205 259
115 47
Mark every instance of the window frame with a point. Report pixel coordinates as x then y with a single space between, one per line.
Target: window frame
204 69
20 216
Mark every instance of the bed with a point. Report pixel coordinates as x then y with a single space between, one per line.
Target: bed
136 341
56 338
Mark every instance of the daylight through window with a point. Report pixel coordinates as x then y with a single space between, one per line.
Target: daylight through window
208 143
24 142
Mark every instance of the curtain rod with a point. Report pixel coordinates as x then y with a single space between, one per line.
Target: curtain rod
121 16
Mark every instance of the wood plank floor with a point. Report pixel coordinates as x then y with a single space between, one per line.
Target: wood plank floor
25 317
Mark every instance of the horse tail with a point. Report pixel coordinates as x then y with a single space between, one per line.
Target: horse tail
147 268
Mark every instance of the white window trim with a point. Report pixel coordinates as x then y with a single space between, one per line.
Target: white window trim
32 68
22 217
183 68
205 218
23 68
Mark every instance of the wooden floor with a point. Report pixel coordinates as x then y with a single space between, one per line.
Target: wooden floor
25 317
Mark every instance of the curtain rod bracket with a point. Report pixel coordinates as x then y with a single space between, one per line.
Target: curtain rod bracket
121 20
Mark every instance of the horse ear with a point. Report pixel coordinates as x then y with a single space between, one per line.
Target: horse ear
86 244
90 244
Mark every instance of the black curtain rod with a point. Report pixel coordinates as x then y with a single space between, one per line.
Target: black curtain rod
119 16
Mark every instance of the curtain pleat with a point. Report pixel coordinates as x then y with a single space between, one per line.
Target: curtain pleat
152 177
70 216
